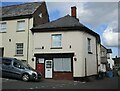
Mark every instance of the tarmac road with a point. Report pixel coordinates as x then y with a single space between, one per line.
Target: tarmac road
106 83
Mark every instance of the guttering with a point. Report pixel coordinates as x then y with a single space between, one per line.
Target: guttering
15 17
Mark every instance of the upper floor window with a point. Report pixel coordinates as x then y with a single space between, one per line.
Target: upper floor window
103 54
40 15
3 27
56 40
21 25
89 45
19 48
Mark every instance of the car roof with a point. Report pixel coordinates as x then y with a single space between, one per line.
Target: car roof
7 58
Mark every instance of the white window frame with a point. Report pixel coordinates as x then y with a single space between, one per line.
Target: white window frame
3 27
19 48
62 64
56 43
89 45
19 24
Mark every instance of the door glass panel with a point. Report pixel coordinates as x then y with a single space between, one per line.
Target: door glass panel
48 64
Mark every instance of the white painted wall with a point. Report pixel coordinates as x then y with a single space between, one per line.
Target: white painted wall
78 42
110 61
17 37
102 67
99 56
90 58
1 40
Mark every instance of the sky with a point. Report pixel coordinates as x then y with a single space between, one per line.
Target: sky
101 17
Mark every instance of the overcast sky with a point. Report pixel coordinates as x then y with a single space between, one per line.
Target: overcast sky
101 17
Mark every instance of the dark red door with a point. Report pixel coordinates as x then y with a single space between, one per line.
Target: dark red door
40 68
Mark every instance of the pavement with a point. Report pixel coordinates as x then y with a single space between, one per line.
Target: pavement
106 83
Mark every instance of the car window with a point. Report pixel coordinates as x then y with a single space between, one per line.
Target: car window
17 64
6 61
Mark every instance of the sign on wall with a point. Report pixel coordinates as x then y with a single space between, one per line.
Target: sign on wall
40 60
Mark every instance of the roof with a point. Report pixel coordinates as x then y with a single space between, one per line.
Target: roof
102 46
116 60
20 9
109 51
66 23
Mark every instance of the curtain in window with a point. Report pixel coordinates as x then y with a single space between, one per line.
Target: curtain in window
62 64
21 25
56 40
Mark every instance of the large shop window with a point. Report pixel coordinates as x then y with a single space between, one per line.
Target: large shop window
62 64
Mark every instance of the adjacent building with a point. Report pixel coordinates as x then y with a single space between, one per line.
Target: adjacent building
66 49
116 62
103 64
109 59
61 49
16 38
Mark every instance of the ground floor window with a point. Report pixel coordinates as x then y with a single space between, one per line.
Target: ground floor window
19 48
62 64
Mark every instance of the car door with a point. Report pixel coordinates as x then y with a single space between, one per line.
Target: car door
17 69
6 67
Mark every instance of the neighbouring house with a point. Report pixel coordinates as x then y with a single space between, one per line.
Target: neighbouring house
116 62
103 65
15 34
66 49
109 59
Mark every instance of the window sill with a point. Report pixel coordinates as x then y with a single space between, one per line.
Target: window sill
20 30
56 48
18 55
90 53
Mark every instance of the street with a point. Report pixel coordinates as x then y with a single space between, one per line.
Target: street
106 83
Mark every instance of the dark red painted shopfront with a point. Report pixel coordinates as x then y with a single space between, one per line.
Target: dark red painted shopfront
55 66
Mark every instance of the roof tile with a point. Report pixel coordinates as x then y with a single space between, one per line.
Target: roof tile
20 9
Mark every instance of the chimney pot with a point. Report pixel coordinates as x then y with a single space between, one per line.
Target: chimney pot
73 11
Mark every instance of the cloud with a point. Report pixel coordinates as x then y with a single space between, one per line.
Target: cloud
61 0
97 13
93 15
64 8
111 36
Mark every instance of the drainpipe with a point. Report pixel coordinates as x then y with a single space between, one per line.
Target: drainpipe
97 55
85 68
28 41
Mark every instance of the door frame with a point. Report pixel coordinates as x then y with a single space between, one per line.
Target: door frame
51 68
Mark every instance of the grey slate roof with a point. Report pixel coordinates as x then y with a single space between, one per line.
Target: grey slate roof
109 50
66 21
20 9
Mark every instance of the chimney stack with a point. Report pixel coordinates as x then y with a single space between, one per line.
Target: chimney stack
73 11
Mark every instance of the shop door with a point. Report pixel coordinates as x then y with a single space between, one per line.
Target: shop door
48 69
